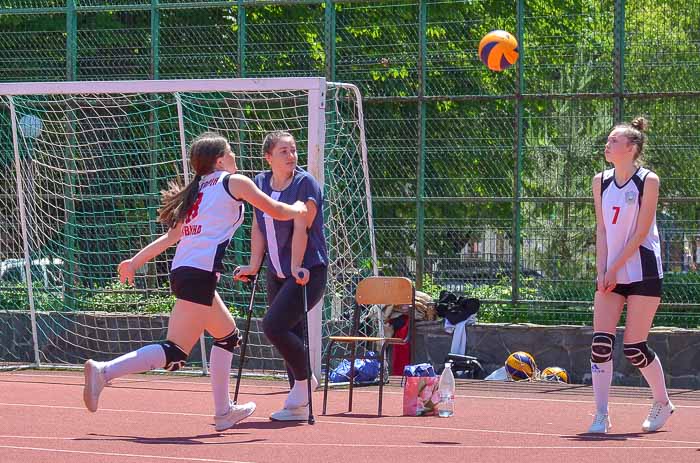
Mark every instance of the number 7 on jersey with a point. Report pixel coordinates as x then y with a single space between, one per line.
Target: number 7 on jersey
617 213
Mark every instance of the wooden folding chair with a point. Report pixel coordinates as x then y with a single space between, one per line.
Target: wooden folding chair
374 290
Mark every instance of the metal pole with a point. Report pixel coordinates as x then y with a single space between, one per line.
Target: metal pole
153 143
518 155
329 33
619 62
186 176
241 39
420 190
71 41
155 40
25 233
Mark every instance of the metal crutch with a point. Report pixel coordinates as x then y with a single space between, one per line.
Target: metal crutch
245 337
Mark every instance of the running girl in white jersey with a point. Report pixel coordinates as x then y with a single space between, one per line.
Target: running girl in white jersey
201 218
628 262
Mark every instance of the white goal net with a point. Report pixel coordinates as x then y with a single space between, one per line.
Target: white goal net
84 163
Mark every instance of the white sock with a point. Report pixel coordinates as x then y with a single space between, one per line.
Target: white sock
146 358
601 375
220 370
299 395
654 374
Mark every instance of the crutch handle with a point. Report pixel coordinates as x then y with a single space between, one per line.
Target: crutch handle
302 275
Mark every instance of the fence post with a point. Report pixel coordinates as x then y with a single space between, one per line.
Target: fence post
154 132
420 190
518 156
71 41
329 34
619 62
241 39
155 40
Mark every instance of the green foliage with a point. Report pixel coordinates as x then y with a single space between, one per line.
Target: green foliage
118 297
15 297
430 287
681 288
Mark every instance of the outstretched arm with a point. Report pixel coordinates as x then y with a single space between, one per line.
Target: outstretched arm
242 187
127 268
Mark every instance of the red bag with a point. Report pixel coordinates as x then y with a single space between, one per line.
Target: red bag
420 395
400 353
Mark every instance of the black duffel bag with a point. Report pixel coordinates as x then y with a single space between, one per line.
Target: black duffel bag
456 309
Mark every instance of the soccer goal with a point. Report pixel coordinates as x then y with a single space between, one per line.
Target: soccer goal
84 163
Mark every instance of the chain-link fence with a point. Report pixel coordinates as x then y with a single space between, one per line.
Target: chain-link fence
481 181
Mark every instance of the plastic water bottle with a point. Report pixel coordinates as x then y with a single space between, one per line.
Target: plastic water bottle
446 387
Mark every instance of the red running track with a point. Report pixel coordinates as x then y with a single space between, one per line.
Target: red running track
149 418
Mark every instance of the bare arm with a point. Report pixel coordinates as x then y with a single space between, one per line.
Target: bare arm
257 245
257 252
127 268
601 244
242 187
647 210
300 238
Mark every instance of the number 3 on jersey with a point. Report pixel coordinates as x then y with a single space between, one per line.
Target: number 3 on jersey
614 220
194 210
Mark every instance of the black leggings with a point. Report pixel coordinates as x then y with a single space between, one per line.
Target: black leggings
283 322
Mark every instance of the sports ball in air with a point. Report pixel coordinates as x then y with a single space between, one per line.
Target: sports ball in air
498 50
30 126
520 366
555 374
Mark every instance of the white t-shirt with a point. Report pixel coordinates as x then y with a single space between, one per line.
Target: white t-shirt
620 207
210 225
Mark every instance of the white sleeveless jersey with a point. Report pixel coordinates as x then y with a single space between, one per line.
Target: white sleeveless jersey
620 206
209 226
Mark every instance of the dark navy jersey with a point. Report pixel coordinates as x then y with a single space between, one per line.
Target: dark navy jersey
278 234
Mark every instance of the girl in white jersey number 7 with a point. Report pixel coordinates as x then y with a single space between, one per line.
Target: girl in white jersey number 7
201 218
628 261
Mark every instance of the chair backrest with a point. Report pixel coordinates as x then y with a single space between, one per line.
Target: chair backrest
388 290
385 290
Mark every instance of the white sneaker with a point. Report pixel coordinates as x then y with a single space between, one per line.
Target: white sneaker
291 414
299 396
658 415
601 424
94 383
235 414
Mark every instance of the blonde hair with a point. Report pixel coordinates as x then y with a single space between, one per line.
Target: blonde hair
635 134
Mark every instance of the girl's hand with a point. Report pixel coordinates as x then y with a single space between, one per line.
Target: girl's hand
126 271
600 282
610 281
300 208
243 272
301 275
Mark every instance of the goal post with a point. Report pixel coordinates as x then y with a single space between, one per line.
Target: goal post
89 160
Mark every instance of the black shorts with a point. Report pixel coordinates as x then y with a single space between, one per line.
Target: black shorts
194 285
651 287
